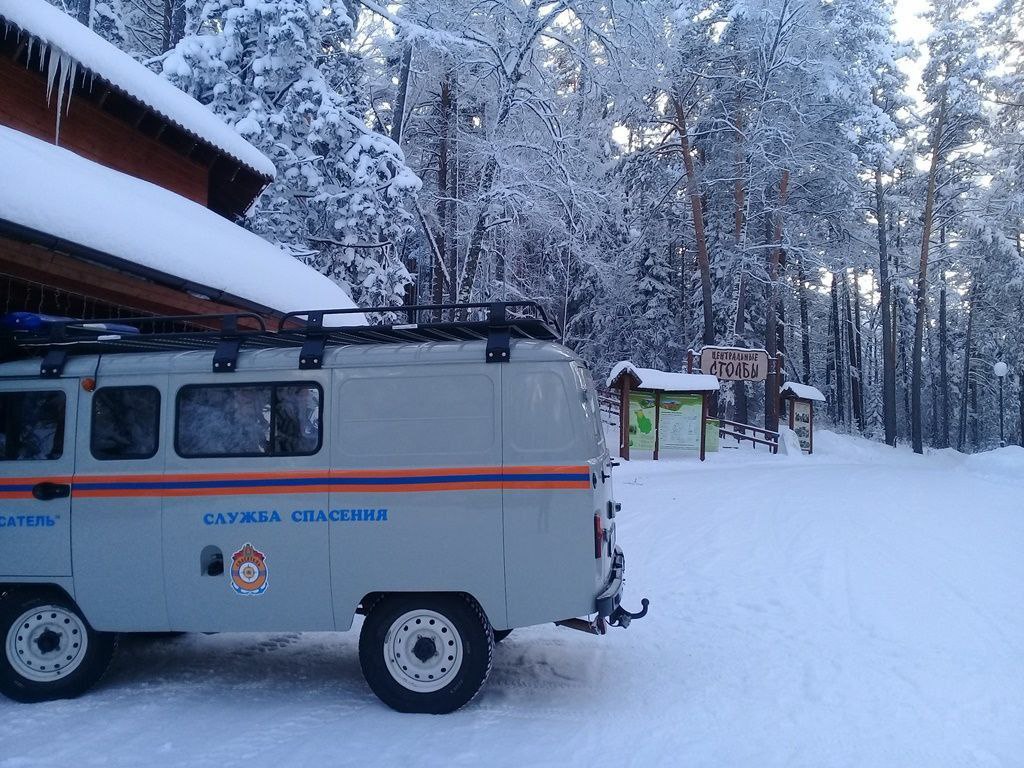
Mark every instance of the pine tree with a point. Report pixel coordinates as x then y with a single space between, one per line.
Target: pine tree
283 75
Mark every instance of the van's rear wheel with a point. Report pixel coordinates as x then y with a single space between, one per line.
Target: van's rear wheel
49 649
425 653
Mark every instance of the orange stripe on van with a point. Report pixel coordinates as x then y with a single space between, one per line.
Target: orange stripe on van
422 479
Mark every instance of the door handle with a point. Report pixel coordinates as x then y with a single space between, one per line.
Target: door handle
49 491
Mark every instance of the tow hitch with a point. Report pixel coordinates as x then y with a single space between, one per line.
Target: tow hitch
621 617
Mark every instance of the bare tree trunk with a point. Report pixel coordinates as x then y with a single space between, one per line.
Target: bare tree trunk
697 214
398 118
853 339
684 295
975 425
456 192
805 325
961 438
921 302
837 352
443 191
172 23
739 388
771 415
178 18
888 345
943 432
83 11
934 385
476 239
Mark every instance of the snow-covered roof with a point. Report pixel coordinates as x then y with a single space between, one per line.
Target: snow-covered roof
666 381
57 29
55 191
802 391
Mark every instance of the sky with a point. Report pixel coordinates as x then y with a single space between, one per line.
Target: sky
908 25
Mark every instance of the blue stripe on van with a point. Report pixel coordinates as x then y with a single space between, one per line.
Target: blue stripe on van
320 480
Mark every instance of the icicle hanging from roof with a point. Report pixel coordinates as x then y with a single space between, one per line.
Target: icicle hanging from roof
61 70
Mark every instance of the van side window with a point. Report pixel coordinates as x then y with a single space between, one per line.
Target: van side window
31 425
125 423
544 420
248 420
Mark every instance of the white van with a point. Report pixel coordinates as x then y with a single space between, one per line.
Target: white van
158 477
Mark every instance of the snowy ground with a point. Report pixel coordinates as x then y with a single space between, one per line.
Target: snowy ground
861 607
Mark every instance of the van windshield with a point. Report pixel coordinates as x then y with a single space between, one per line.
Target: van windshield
591 405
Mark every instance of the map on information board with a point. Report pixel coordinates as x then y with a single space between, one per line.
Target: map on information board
680 421
641 421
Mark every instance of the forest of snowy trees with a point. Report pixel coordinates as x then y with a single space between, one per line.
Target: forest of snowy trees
661 174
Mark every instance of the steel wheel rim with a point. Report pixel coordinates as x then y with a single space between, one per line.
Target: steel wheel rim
47 643
407 651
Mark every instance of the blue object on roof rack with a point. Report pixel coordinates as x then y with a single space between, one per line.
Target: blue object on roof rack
29 321
33 321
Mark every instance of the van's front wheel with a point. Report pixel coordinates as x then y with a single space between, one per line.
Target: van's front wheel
425 653
49 650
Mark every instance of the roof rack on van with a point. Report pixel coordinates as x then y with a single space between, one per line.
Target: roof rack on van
55 339
497 327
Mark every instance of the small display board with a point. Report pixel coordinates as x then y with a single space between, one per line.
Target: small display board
680 421
711 435
801 422
735 363
642 418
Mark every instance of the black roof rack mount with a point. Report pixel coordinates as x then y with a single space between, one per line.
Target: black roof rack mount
495 323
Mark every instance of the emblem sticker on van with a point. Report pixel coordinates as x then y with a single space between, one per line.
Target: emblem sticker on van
249 571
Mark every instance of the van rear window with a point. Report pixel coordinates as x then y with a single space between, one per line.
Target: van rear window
249 420
125 422
31 425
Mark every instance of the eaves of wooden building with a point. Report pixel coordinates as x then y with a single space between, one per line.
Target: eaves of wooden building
119 192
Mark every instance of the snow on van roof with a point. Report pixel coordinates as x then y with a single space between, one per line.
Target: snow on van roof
55 191
801 391
666 381
64 35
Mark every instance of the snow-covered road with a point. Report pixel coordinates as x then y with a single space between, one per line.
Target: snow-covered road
861 607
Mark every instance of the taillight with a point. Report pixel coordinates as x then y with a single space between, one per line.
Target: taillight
598 536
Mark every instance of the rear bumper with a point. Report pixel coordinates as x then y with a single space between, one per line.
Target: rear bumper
611 596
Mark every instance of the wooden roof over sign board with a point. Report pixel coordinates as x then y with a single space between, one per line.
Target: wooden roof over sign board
663 381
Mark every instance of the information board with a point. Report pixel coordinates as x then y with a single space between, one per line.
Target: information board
641 421
680 421
802 422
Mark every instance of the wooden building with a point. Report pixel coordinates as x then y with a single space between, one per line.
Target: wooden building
121 191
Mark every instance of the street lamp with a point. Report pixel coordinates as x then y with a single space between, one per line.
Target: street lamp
999 369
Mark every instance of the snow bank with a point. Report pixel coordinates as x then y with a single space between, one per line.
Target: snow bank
666 381
803 391
67 196
803 614
65 37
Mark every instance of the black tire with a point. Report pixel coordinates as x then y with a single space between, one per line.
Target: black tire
57 622
458 625
501 634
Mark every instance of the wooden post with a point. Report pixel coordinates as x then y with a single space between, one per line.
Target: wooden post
657 421
689 361
773 384
810 430
624 417
703 423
